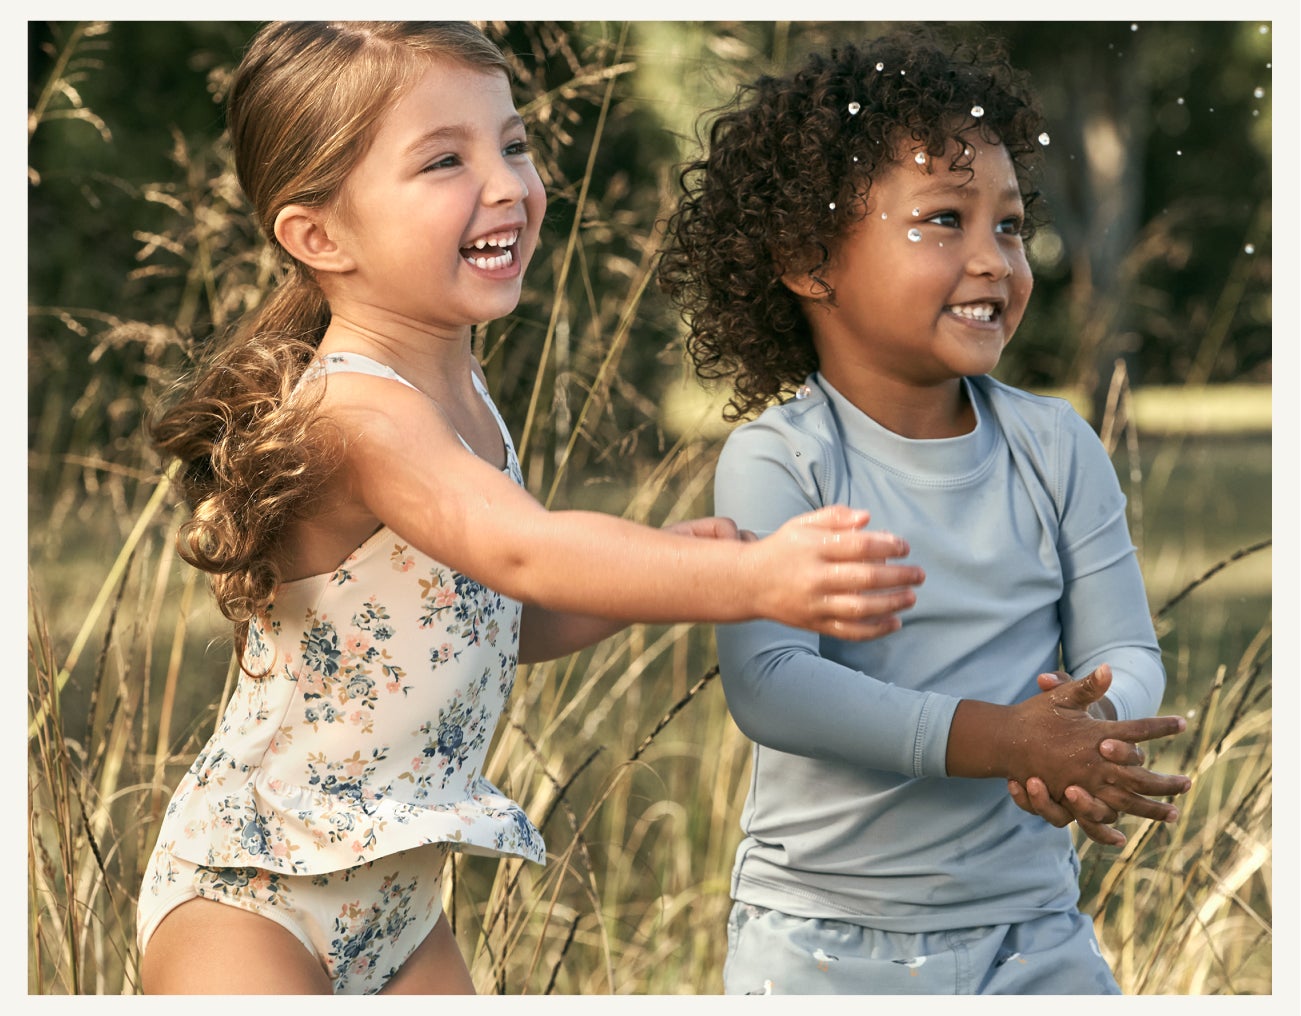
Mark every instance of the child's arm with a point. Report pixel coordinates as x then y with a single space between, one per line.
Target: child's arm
547 634
405 465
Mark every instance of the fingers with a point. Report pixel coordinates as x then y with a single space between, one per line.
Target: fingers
713 528
1081 694
1147 729
834 516
1042 804
1121 752
1047 682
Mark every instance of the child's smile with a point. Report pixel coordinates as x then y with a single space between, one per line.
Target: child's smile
492 253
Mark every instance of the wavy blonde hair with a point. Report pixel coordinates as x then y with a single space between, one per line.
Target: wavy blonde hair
304 106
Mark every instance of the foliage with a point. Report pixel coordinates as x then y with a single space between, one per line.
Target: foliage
624 753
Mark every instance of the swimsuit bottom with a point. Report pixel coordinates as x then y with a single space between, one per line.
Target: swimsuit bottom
360 923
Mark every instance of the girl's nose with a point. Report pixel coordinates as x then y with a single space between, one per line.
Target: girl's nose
506 185
988 258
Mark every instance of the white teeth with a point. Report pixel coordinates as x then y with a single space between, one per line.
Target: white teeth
973 311
496 241
502 260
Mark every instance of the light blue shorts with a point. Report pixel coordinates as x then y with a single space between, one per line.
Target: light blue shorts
771 953
361 924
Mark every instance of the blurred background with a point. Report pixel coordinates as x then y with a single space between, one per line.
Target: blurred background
1152 313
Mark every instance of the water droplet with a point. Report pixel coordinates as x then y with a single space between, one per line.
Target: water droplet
917 211
1133 28
832 206
884 216
1264 29
1179 151
1043 138
920 158
915 235
854 159
880 67
1259 93
1180 100
977 111
854 108
1250 248
902 72
803 392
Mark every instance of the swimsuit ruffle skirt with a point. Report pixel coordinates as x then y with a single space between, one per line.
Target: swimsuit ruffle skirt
384 683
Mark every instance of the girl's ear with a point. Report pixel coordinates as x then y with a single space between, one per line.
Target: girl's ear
803 285
304 232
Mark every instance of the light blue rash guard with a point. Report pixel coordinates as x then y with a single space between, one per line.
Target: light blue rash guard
1020 526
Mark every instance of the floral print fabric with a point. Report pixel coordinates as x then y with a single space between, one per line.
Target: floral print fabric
381 686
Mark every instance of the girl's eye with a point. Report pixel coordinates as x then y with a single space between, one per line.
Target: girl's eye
518 147
1011 226
949 219
443 162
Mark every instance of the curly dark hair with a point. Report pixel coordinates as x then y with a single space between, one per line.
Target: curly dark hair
786 173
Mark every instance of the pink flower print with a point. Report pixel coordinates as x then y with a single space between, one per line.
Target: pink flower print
279 850
417 764
356 846
446 596
444 652
357 644
394 686
405 565
312 683
192 829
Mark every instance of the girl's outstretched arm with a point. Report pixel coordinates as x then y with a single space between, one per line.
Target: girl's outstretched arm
822 571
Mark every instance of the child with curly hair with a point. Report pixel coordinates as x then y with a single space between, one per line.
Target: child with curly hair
854 240
357 502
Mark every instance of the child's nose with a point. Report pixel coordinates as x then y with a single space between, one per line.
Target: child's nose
506 185
987 257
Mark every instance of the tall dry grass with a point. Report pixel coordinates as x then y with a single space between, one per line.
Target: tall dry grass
623 754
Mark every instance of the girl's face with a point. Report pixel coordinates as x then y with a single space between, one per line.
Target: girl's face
441 215
931 284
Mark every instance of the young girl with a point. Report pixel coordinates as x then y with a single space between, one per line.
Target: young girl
855 237
358 504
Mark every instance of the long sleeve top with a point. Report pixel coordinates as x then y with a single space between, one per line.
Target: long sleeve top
1020 525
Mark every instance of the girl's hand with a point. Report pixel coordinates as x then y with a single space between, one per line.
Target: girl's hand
1112 780
715 527
833 577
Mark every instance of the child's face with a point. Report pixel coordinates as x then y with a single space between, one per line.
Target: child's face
441 215
932 283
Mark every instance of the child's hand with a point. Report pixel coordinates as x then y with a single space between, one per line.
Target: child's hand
1115 794
716 527
833 577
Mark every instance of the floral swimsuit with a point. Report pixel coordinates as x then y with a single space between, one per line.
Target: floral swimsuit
335 784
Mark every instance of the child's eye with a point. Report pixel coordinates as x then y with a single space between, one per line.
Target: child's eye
443 162
949 219
520 146
1011 226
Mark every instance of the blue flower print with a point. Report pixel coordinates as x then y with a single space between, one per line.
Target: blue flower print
321 649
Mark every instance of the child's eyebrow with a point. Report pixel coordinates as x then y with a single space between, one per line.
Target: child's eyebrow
941 188
457 132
